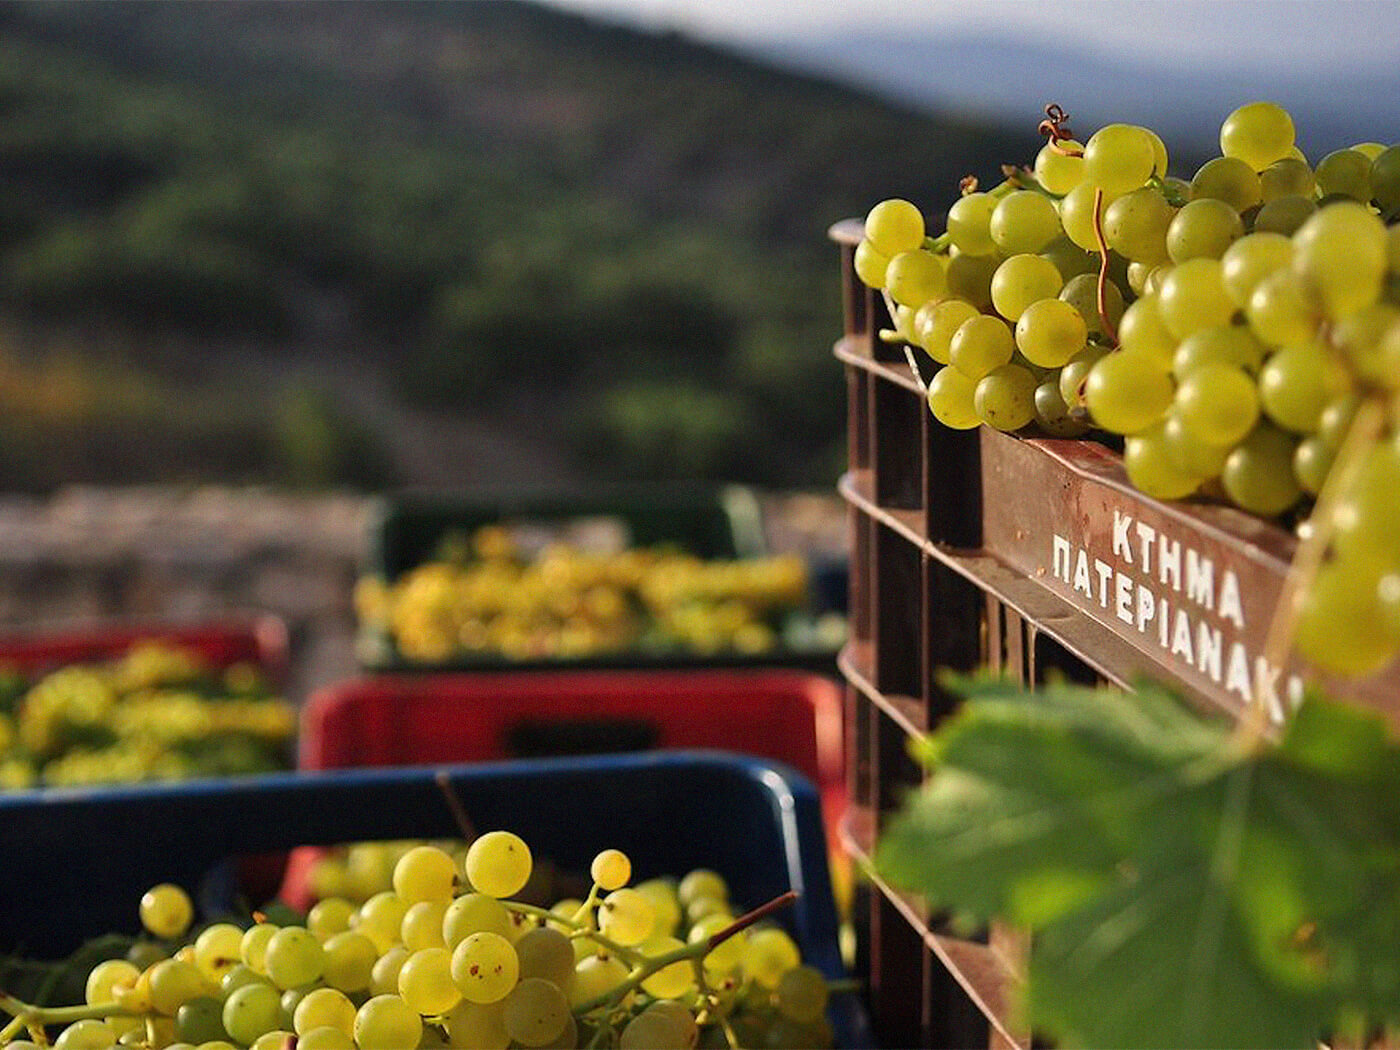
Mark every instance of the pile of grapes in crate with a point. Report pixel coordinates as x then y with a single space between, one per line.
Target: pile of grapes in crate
159 712
434 944
487 594
1238 332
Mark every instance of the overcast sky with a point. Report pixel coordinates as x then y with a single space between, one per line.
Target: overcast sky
1314 33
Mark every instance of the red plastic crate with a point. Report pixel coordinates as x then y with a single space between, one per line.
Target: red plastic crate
791 716
259 639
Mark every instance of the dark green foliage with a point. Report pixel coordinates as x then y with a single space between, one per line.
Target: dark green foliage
63 982
504 194
316 445
667 429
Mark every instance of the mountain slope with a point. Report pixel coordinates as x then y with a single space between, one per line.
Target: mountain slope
996 77
514 212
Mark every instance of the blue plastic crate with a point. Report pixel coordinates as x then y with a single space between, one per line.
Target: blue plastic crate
78 860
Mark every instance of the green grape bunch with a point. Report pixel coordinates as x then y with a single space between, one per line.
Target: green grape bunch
157 712
437 947
1237 331
493 598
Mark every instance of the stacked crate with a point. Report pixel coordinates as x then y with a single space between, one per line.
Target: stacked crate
1033 557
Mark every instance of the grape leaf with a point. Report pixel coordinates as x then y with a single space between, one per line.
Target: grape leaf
1323 854
1035 789
1179 891
1154 962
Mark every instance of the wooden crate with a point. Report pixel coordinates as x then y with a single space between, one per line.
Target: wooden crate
1032 556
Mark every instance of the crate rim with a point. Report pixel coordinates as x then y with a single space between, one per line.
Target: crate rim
768 771
268 630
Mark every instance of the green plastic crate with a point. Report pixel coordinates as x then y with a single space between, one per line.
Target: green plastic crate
710 521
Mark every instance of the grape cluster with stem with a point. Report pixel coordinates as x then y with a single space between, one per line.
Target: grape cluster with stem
444 956
1239 331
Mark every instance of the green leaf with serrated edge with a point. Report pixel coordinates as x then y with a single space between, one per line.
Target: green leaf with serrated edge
1180 893
1156 718
1294 906
1039 791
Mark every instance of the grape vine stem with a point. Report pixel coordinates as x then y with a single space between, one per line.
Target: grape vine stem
746 920
939 244
1055 128
577 929
459 811
914 367
908 350
1101 292
1361 437
692 951
25 1015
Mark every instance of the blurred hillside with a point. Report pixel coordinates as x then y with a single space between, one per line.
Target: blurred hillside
370 243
